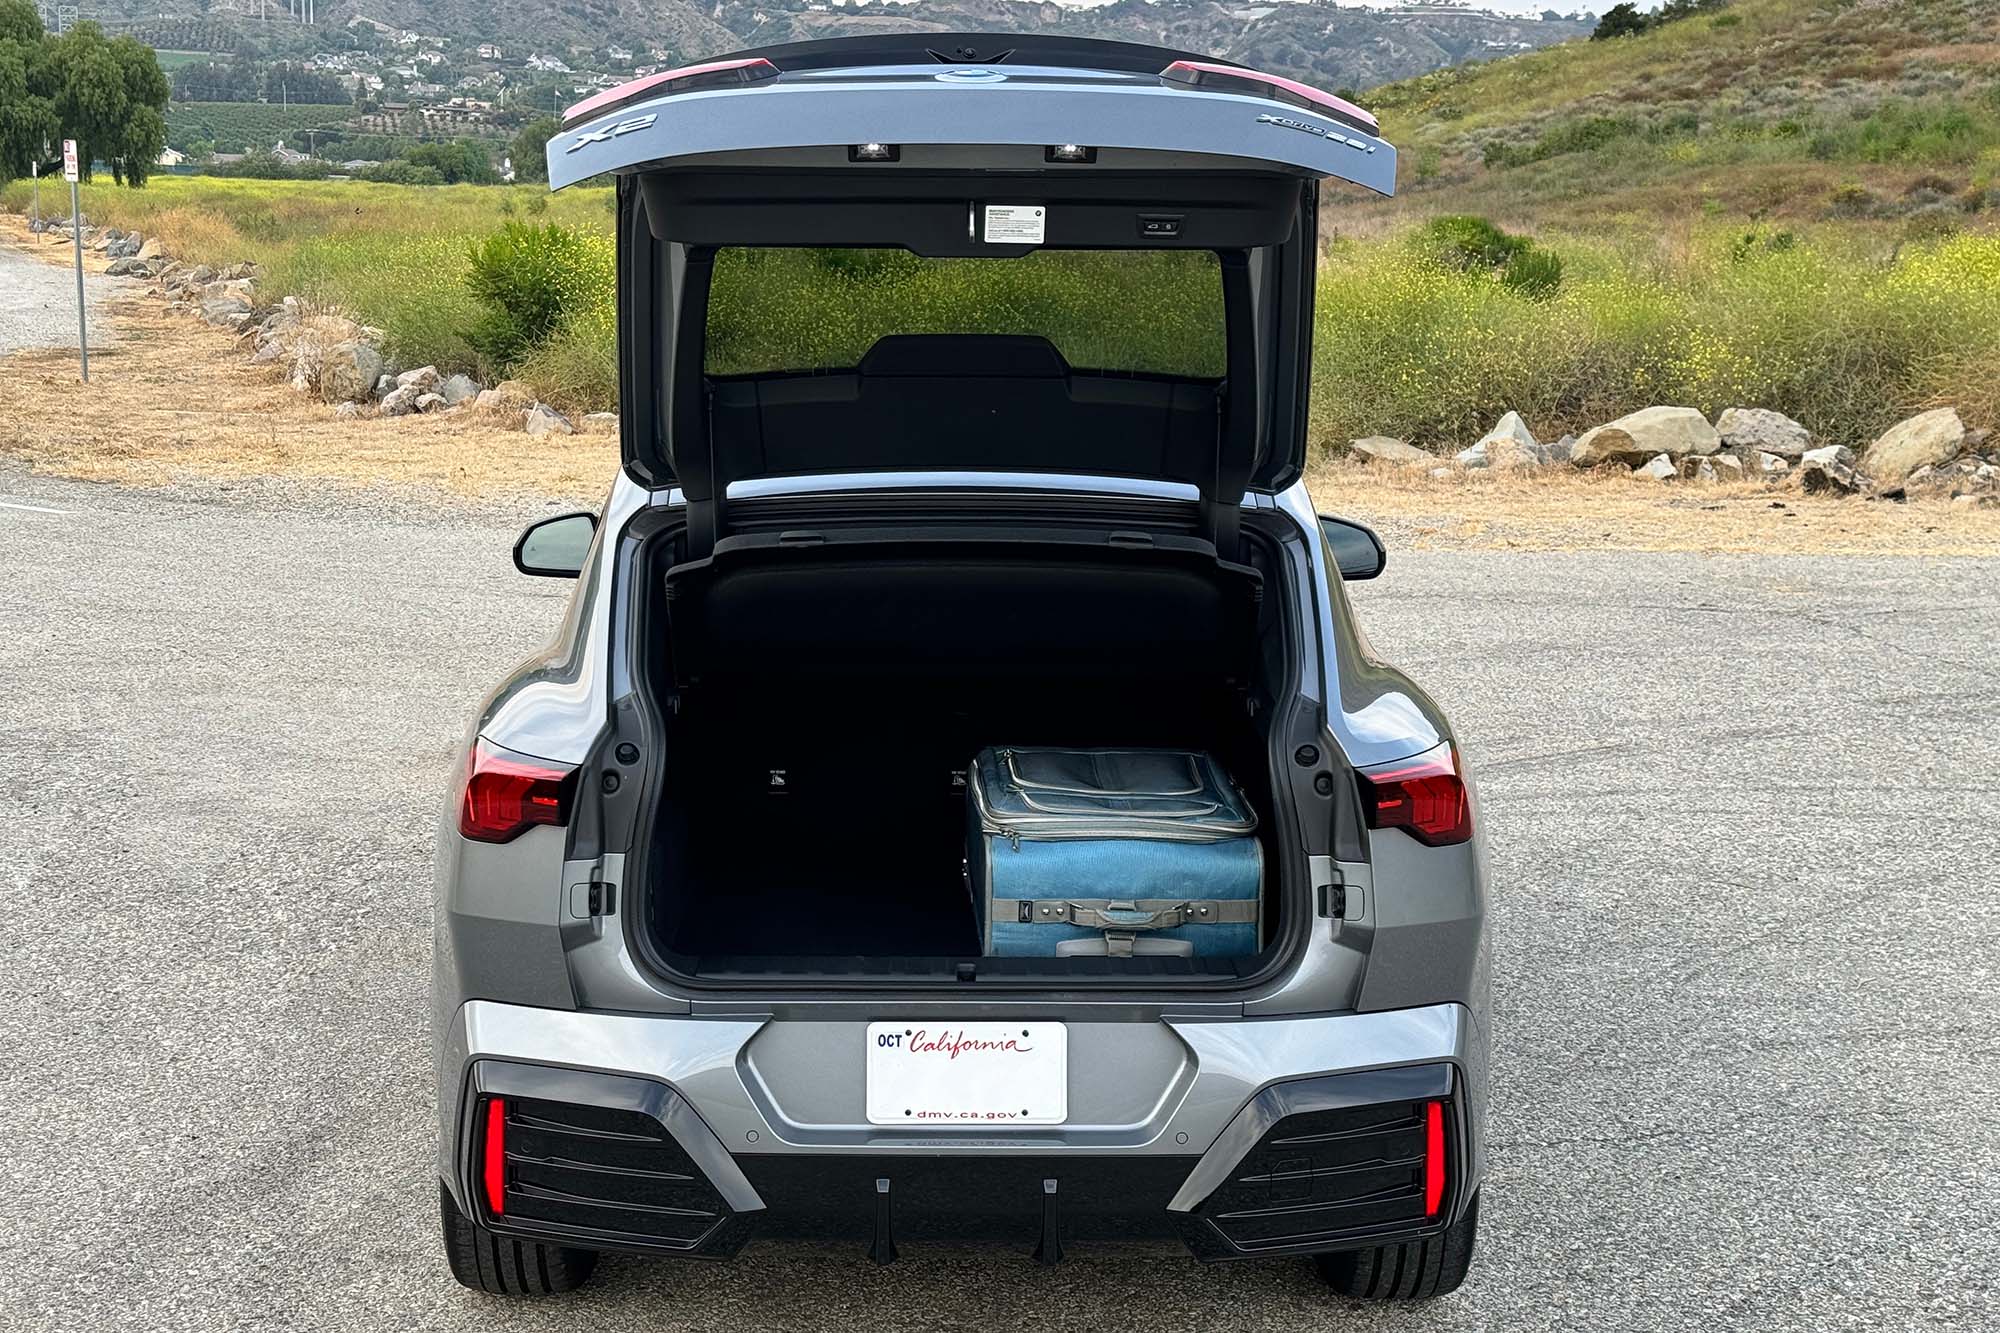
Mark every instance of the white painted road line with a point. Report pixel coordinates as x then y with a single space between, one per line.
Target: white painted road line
33 509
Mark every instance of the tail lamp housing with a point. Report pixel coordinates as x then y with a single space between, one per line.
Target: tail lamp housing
1215 77
688 78
506 794
1425 796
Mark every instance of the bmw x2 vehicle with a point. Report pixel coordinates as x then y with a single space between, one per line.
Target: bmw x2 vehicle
958 803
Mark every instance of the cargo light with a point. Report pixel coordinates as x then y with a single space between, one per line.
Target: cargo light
873 152
1433 1158
493 1174
506 794
1218 78
1069 152
1424 796
688 78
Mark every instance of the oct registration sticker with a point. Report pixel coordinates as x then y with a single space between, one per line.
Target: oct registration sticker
1016 224
923 1073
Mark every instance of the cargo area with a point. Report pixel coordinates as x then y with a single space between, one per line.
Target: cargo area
820 707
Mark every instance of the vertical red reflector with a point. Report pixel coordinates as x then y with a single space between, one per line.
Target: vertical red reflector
1433 1158
496 1155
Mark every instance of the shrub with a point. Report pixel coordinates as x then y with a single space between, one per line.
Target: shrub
1534 272
1473 244
529 279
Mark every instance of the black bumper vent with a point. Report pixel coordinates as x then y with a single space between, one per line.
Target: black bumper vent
1340 1161
616 1171
606 1172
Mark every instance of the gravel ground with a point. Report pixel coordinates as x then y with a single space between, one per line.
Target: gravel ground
38 302
1742 813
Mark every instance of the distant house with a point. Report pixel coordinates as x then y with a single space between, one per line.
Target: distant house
617 53
358 164
226 159
488 51
171 157
291 157
548 65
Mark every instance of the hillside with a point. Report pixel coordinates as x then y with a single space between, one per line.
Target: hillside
1338 46
1877 112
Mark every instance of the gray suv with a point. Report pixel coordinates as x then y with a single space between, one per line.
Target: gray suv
963 386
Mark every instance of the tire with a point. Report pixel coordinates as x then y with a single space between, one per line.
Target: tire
1413 1271
503 1266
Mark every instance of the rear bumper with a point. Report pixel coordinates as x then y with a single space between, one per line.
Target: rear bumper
1265 1137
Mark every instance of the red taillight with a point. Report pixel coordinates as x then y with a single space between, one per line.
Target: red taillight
508 793
494 1174
1424 796
715 74
1433 1158
1235 79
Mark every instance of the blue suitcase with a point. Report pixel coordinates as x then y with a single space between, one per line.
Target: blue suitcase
1117 853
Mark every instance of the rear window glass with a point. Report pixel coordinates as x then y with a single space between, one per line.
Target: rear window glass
1152 311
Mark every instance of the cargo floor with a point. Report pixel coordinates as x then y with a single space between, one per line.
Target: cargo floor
809 824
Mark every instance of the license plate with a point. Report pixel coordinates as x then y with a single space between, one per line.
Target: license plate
922 1073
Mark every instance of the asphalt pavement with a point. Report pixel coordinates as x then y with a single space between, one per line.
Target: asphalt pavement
38 300
1743 817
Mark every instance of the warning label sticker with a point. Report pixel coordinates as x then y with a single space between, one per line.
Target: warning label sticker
1016 224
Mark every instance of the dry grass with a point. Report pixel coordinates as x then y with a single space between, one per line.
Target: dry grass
172 399
1563 510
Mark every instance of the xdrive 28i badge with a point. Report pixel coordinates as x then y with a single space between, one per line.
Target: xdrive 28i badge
1335 135
610 132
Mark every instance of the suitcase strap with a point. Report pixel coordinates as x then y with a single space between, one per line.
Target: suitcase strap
1129 914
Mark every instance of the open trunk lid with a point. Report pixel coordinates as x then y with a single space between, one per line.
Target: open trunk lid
954 148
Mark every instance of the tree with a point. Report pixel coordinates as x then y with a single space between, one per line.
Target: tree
1621 20
529 150
28 123
107 95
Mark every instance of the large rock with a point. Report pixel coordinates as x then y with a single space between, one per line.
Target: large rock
219 309
152 249
424 379
506 396
1677 432
1767 464
1744 429
1510 444
120 268
545 420
1660 468
401 401
1929 439
457 388
600 421
1385 449
430 402
1829 471
349 371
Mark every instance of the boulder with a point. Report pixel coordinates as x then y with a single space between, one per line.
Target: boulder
506 396
152 249
385 383
1662 468
347 411
1933 438
424 379
220 309
1510 444
349 371
541 419
1749 428
1678 432
457 388
1385 449
120 268
401 401
1767 464
1711 469
600 421
1474 456
430 402
1829 471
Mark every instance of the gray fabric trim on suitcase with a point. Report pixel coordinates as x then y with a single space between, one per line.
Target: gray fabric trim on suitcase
1136 914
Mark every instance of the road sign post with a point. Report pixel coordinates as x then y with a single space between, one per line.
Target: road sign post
76 237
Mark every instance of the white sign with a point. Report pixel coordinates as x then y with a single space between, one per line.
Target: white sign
928 1073
1016 224
69 159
